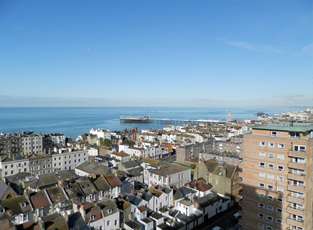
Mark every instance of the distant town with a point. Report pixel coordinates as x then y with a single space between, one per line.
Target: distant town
192 174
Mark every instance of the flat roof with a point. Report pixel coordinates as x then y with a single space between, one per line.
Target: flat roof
287 126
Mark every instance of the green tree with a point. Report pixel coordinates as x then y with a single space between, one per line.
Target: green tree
105 142
128 142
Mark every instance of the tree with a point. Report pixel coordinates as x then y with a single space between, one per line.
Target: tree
128 142
105 142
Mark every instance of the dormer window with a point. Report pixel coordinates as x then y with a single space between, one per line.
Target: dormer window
23 204
110 211
2 210
92 217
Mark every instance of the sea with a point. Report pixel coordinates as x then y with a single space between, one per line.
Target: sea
74 121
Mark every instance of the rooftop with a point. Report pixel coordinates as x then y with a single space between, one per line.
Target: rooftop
287 126
166 169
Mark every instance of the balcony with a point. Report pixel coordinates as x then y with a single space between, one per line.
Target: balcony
294 199
293 153
297 211
296 222
296 188
296 165
296 176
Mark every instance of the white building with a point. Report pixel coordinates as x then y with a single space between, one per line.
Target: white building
68 159
58 139
101 133
32 143
169 174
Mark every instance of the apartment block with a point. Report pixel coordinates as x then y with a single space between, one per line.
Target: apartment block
277 177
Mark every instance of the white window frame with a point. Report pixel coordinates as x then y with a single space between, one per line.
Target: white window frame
280 178
279 200
269 218
270 176
279 211
261 185
262 143
271 166
262 174
261 215
261 163
262 154
280 157
270 187
280 189
279 221
273 133
271 145
260 226
261 205
271 155
269 197
281 146
270 208
280 167
261 195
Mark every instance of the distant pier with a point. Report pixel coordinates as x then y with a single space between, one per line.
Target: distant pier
148 119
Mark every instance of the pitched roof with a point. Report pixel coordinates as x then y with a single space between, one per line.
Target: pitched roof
94 168
142 208
87 187
56 194
166 169
217 168
44 180
3 188
101 184
200 185
39 199
18 204
113 180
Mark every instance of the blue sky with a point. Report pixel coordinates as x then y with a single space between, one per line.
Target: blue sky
235 53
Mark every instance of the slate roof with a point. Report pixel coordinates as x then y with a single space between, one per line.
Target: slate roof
157 192
101 184
54 221
39 199
146 196
135 200
94 211
3 188
108 207
94 168
146 220
215 167
156 215
87 187
131 164
185 191
76 221
15 204
44 180
66 175
207 200
132 224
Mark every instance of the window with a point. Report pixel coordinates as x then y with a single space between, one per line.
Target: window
269 219
300 148
280 178
260 226
270 176
273 133
271 155
280 167
262 185
270 208
92 217
279 222
270 166
281 146
271 145
262 154
261 215
269 227
261 195
279 200
280 157
270 187
115 222
262 164
279 211
280 189
261 205
261 174
269 197
262 143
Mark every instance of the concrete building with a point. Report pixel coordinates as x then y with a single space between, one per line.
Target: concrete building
277 177
31 142
191 152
